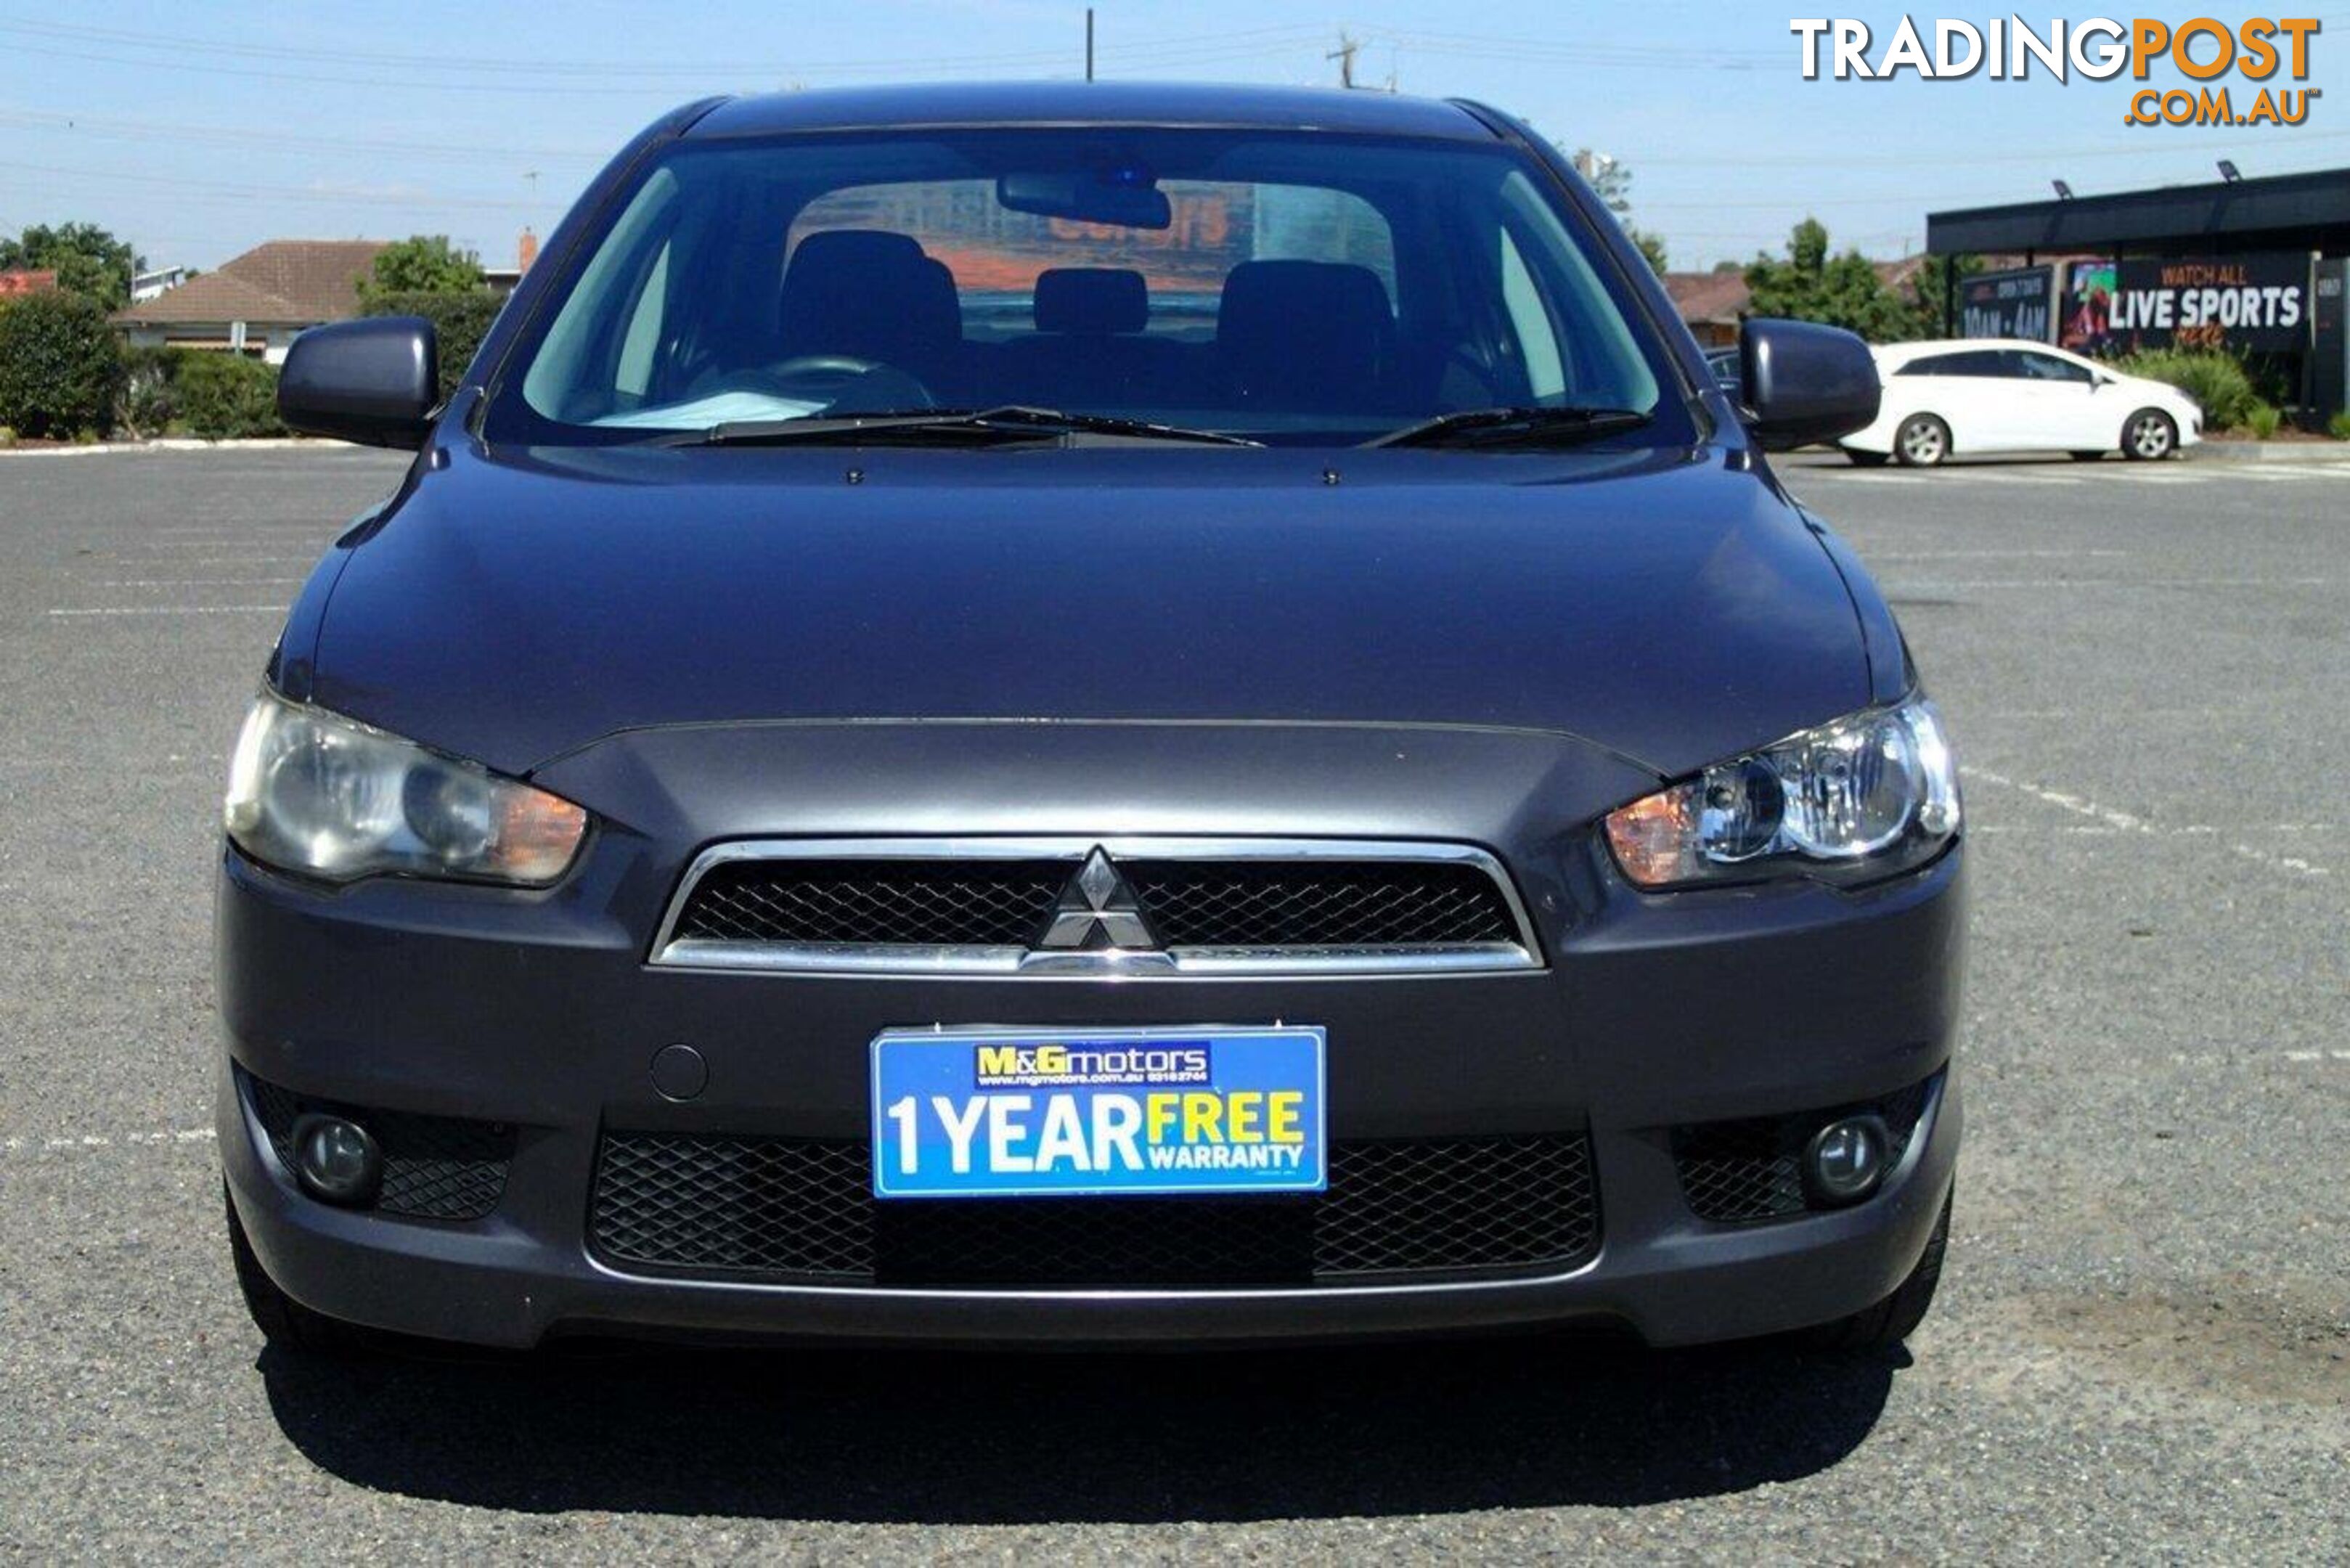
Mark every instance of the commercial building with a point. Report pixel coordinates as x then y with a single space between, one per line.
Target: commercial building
2253 265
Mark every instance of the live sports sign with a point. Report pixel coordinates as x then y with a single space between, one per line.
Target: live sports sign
2258 302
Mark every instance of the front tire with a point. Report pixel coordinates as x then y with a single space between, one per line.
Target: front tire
1922 441
284 1322
1884 1326
2149 435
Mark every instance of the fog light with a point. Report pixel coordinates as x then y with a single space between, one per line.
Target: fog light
337 1160
1845 1160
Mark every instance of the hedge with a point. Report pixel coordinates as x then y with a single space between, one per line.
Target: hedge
58 366
225 397
198 391
2215 380
459 320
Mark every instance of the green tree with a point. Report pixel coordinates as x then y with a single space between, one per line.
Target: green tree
1652 248
1934 279
422 264
1840 290
1611 181
59 365
88 260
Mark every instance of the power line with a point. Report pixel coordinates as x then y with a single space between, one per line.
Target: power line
165 131
198 189
1174 48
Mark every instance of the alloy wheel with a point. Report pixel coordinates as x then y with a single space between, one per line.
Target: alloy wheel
2150 435
1924 441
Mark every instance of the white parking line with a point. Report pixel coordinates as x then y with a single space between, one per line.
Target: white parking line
192 541
131 562
196 582
1927 587
2254 1058
2124 822
2135 712
1985 554
2183 830
100 1140
175 609
2293 471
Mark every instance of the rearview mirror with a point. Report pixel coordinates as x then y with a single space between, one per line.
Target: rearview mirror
1804 382
374 381
1088 197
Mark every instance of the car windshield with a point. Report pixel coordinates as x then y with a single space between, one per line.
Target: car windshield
1289 288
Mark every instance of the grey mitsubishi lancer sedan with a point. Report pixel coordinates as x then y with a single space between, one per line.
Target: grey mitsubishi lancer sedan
1085 714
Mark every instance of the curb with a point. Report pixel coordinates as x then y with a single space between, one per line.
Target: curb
179 444
2268 452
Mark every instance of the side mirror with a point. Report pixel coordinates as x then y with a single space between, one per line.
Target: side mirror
1805 382
374 381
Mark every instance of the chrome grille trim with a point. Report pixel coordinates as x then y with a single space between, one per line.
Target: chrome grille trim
896 960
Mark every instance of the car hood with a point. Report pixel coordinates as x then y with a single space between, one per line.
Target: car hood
2154 391
1670 606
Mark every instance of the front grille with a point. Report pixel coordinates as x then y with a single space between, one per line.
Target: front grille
434 1167
688 1204
1742 1171
1303 904
846 906
898 903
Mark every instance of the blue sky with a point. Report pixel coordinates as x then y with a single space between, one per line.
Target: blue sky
198 129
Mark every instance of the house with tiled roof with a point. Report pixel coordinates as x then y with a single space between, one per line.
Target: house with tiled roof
257 303
1712 303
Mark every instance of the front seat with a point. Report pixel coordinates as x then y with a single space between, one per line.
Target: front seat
871 295
1305 335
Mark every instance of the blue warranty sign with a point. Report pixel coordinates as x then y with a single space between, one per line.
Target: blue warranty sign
1002 1114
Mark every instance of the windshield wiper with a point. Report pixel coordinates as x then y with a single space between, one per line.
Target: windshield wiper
1010 424
1526 428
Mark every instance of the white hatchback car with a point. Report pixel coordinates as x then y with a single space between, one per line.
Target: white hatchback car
1991 394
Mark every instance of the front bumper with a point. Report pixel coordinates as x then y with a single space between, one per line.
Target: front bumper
539 1010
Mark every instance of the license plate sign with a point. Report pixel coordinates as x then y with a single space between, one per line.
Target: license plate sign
1070 1113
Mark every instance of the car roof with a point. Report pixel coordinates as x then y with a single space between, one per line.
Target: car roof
1091 103
1958 344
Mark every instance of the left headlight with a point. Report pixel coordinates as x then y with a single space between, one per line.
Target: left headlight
1864 797
314 793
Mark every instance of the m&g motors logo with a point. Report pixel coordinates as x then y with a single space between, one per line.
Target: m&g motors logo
1082 1066
2257 55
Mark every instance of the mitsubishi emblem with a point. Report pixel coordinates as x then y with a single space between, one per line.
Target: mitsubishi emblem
1097 912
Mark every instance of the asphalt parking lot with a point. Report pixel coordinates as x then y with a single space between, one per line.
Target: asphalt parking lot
2142 1346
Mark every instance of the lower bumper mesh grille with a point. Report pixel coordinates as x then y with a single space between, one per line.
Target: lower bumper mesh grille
1738 1172
434 1167
775 1206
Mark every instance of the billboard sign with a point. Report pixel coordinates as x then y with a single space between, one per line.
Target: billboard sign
2012 304
2258 301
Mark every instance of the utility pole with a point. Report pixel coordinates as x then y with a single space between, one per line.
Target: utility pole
1089 43
1345 55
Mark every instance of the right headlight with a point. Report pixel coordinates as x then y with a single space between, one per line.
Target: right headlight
312 792
1862 798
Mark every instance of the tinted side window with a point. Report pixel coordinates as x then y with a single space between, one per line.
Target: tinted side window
2048 368
1974 362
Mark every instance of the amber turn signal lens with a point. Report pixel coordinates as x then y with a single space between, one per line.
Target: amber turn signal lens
537 834
1651 836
